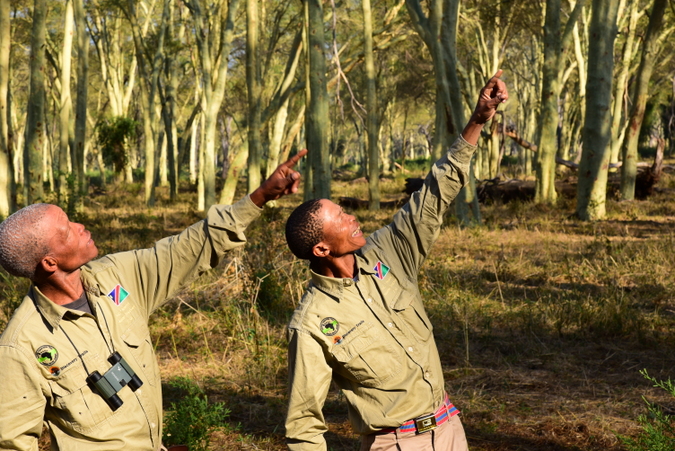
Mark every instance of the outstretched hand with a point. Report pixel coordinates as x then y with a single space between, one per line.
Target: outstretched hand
284 180
491 96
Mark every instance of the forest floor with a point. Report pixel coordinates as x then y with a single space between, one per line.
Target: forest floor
543 322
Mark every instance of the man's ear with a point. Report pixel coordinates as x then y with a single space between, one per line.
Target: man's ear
321 250
49 264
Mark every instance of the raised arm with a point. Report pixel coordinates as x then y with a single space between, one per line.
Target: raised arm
417 225
152 275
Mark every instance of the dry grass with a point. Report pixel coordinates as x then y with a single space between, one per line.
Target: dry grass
542 322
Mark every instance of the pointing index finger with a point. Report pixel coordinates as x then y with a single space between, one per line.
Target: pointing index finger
295 158
493 81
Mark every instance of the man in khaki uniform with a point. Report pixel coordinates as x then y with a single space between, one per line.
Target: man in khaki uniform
361 321
80 311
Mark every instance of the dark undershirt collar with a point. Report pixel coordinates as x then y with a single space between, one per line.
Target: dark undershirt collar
81 304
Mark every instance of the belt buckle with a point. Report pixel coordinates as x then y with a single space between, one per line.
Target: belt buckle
425 423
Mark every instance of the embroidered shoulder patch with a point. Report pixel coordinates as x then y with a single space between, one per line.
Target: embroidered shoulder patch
381 270
118 294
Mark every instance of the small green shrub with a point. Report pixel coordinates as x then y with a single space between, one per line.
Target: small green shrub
112 135
191 420
658 428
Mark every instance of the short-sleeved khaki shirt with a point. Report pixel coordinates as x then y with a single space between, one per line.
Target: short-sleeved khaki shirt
371 335
47 351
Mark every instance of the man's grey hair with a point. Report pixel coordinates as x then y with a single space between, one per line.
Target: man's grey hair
22 242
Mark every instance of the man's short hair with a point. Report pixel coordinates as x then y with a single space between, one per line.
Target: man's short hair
304 229
22 242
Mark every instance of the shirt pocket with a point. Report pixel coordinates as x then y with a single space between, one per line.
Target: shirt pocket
410 311
369 356
144 362
73 403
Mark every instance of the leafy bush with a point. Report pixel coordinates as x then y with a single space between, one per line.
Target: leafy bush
112 135
191 420
658 428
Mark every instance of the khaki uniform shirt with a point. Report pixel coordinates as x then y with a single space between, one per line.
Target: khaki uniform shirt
43 377
372 335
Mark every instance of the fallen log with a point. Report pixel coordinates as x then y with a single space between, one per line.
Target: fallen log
360 204
497 190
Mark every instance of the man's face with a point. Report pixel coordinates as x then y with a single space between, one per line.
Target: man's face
341 231
69 242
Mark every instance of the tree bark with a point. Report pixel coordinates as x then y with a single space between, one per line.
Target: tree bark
556 42
430 30
6 172
150 79
594 164
317 126
66 106
35 131
629 51
254 94
371 108
650 49
213 83
81 106
283 97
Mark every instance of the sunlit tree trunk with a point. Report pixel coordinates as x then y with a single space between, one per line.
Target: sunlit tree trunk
429 28
66 104
556 42
293 134
149 75
193 165
467 196
35 132
282 96
438 31
630 48
317 126
210 45
579 34
168 112
592 185
6 173
372 109
254 94
650 49
237 165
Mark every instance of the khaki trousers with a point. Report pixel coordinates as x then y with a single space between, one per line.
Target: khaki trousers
447 437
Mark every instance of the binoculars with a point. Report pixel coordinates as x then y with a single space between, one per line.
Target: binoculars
118 376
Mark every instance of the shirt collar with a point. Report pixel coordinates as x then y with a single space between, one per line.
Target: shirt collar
52 312
335 286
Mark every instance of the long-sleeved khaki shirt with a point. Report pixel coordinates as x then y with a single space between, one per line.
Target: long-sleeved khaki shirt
371 334
47 351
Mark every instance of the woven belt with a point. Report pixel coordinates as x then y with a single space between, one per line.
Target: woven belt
421 424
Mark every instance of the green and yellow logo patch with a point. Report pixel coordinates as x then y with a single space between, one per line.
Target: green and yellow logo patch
47 355
329 326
